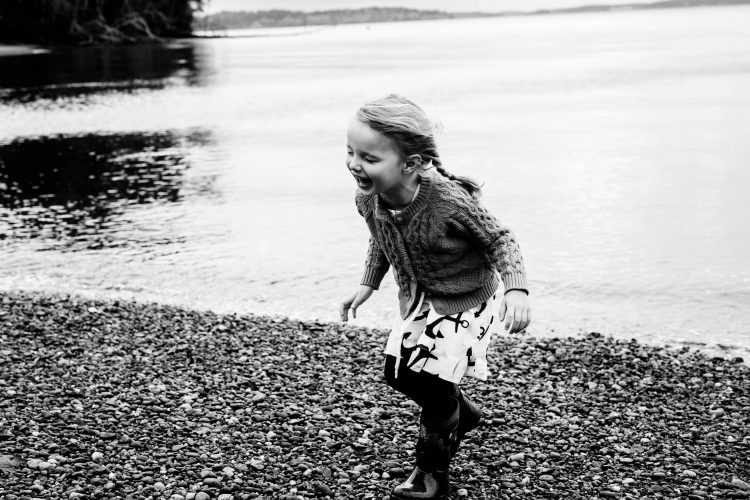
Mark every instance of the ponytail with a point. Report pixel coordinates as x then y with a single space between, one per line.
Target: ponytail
407 125
470 185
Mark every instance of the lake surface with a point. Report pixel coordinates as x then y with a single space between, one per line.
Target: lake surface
210 173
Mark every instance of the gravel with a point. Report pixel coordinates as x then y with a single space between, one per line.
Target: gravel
114 399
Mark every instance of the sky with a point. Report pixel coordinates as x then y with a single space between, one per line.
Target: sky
446 5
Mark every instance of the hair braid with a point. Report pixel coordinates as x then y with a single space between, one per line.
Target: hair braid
445 173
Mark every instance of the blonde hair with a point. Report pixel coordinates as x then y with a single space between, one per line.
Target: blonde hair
412 132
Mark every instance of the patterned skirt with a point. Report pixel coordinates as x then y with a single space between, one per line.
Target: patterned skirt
449 346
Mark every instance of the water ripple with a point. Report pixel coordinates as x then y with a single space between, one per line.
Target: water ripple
73 192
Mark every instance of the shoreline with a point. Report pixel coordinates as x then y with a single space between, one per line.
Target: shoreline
21 49
118 399
321 18
10 49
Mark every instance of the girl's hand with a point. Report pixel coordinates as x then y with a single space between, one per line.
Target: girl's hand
515 311
354 301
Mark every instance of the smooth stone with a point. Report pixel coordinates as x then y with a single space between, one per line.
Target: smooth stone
323 489
33 463
202 495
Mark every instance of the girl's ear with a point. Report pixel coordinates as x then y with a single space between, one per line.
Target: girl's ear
412 164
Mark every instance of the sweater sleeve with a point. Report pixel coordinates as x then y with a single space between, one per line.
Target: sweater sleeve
497 241
376 265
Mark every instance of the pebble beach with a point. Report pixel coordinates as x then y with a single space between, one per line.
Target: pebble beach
115 399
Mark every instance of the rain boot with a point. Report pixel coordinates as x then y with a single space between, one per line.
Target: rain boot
430 478
470 415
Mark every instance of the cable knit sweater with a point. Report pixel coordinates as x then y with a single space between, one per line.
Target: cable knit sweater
444 243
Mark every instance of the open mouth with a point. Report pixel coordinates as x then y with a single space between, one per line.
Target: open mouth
362 182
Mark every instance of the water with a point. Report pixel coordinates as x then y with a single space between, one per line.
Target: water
210 173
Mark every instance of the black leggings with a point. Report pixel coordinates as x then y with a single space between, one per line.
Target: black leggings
427 390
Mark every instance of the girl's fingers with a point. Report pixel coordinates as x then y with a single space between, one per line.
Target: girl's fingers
350 303
357 301
524 320
344 308
342 312
503 308
517 320
509 320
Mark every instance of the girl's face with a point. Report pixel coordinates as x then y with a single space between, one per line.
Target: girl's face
373 160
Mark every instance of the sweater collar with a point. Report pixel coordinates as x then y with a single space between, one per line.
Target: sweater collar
426 181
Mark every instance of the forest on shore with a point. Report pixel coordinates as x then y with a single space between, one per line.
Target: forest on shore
128 21
278 17
228 20
95 21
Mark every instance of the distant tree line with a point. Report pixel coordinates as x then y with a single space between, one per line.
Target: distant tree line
277 18
663 4
113 21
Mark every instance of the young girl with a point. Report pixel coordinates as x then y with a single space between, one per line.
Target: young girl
444 248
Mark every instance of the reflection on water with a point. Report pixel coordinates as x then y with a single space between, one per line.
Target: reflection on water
67 190
73 71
